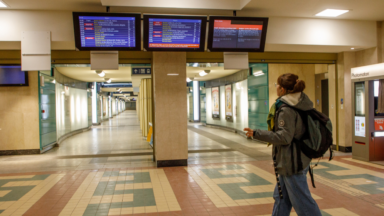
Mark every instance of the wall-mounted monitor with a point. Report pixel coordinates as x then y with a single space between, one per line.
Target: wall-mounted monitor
107 31
13 76
237 34
174 33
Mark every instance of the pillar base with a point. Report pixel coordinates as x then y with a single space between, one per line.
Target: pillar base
172 163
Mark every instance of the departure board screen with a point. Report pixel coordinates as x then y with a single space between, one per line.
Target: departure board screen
178 33
107 31
242 34
237 34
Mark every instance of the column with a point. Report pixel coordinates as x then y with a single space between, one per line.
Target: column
170 108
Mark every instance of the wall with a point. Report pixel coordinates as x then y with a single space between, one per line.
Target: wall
258 97
305 35
239 106
47 94
19 116
71 109
347 61
305 72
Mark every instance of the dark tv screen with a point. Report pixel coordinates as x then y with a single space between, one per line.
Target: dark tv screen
174 33
242 34
13 76
107 31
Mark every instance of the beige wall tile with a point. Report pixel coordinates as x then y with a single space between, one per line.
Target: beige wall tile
170 105
19 114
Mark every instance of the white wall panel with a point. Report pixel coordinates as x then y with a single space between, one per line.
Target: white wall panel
240 106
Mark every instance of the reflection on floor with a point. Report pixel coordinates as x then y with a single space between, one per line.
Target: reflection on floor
109 171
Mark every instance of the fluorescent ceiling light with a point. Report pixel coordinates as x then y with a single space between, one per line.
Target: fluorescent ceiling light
352 48
188 79
331 13
108 80
173 74
202 73
3 5
258 73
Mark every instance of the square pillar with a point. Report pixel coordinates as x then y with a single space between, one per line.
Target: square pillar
170 108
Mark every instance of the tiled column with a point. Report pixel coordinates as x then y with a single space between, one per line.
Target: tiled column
170 108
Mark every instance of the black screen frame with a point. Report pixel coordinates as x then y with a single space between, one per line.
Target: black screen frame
211 31
202 32
76 26
17 85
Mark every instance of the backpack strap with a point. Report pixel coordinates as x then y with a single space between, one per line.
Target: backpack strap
312 179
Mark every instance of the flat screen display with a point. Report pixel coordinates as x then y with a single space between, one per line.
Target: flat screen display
183 33
13 76
242 34
107 31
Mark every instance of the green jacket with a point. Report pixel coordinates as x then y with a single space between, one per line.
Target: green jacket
287 125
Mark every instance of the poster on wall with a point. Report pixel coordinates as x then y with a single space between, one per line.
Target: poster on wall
228 103
215 102
359 126
379 124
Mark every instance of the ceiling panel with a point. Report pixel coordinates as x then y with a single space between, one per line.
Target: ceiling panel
360 10
87 75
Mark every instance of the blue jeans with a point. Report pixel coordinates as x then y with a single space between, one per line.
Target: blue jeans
295 193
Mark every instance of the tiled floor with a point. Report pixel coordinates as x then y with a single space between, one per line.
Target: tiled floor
109 171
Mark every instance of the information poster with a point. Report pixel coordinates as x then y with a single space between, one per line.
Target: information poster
379 124
215 102
228 102
359 126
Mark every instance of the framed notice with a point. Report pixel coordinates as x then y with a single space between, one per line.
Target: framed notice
228 103
359 126
215 102
379 124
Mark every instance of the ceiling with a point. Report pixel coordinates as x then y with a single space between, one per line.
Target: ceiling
360 10
124 74
216 72
87 75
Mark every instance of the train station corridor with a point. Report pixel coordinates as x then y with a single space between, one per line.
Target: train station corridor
109 170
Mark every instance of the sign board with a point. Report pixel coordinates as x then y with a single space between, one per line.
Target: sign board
228 102
359 126
379 124
367 71
141 71
215 102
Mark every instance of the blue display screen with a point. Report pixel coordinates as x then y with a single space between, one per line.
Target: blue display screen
12 75
174 33
102 31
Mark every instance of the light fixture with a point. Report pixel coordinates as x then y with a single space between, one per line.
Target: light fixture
205 72
3 5
189 79
108 80
100 73
331 13
195 65
54 81
258 73
173 74
352 48
117 89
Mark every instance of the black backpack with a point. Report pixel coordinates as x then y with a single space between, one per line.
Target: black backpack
317 138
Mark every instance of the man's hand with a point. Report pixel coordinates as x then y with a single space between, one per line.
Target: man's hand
249 132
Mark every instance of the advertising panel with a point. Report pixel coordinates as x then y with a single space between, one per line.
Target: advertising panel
359 126
228 103
379 124
215 102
